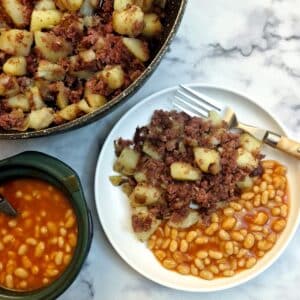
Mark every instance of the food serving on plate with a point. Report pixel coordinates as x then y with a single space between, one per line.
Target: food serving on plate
60 59
37 246
202 196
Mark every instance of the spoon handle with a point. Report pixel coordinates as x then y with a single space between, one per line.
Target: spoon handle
6 207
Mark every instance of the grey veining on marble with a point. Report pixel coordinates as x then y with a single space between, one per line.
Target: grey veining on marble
252 46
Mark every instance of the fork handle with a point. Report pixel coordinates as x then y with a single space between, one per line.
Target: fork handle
283 143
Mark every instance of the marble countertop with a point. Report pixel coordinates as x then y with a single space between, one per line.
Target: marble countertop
252 46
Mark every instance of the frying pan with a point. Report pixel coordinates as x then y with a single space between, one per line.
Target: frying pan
174 13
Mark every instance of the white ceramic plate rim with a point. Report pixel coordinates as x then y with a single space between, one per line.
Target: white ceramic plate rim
119 249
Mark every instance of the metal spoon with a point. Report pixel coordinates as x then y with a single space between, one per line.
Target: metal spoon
6 207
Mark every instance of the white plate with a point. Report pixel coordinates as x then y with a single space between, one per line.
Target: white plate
113 208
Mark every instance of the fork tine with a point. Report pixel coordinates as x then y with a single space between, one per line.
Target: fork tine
194 101
187 111
188 107
207 100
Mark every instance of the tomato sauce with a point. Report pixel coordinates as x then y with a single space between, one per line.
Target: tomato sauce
37 245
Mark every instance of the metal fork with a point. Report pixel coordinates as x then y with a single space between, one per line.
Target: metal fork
196 103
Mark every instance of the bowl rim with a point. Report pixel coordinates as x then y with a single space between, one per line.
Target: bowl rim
118 100
70 180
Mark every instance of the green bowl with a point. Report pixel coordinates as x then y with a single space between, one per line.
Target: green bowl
52 170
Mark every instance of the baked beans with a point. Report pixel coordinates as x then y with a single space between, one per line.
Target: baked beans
37 245
236 235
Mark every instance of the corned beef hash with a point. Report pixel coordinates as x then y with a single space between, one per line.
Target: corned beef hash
60 59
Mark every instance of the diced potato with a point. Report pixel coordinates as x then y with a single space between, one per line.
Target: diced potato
145 5
137 48
117 180
128 22
19 101
215 118
74 61
8 86
77 22
62 99
184 171
247 183
140 210
153 26
192 218
83 106
144 194
250 143
246 160
16 42
123 4
100 43
71 5
36 98
51 46
149 150
15 66
145 235
41 118
45 5
87 55
140 176
127 189
69 113
50 71
142 214
127 161
114 76
16 11
44 19
95 100
208 160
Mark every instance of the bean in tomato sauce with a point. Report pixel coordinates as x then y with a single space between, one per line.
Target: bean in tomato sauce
234 237
37 245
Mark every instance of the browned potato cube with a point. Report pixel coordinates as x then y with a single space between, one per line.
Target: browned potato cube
51 46
144 194
129 22
208 160
16 11
138 48
184 171
127 161
16 42
153 26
